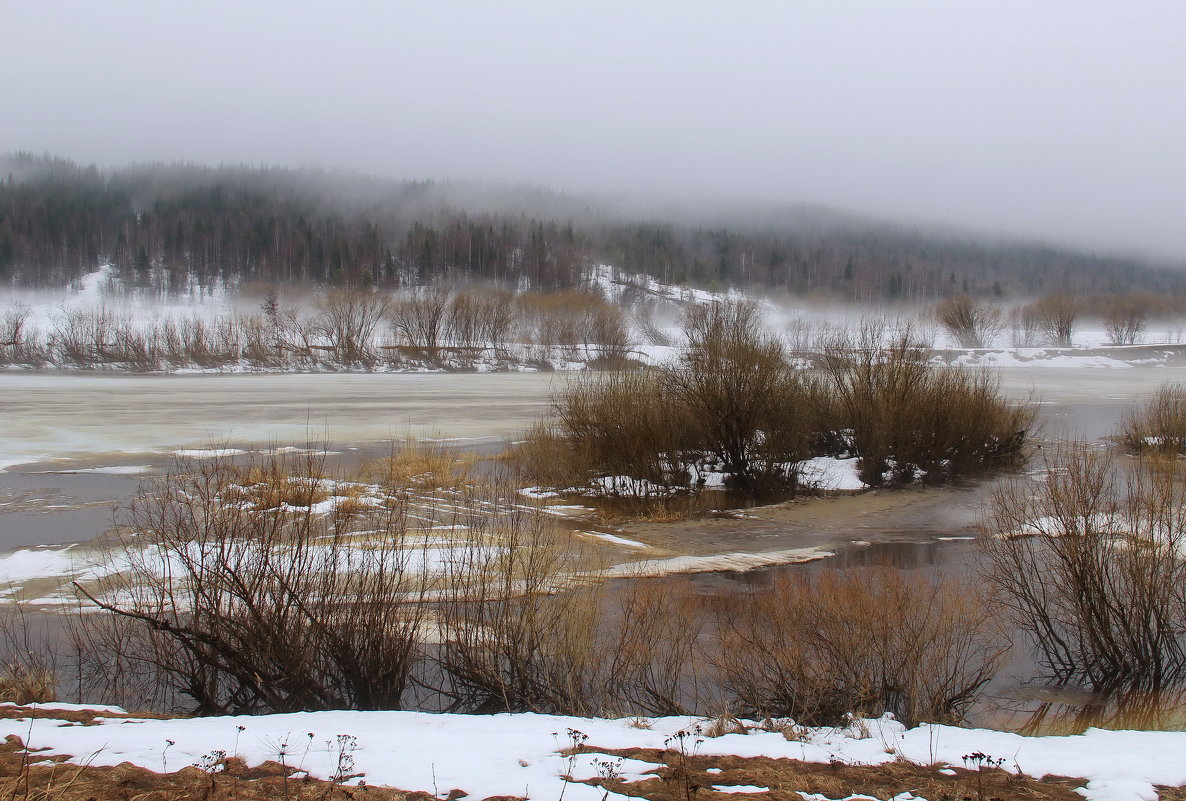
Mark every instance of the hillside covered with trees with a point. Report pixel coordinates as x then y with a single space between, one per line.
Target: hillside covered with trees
168 226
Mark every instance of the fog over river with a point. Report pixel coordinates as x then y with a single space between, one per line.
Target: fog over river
115 428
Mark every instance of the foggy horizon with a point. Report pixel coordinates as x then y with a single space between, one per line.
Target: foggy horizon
1061 123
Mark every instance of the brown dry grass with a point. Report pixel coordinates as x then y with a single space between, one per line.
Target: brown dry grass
275 482
58 780
421 465
1158 426
23 684
680 776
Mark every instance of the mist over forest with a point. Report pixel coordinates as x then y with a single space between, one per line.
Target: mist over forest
165 226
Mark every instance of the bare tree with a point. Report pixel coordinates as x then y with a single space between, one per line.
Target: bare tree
12 332
19 342
496 318
465 319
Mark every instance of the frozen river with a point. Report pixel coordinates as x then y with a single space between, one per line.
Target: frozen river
55 425
113 418
110 418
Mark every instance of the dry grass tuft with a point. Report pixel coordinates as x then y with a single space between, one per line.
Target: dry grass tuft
421 465
25 684
1159 426
724 724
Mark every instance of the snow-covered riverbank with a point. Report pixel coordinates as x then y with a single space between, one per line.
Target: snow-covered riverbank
520 754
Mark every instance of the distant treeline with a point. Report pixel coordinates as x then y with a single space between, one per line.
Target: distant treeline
171 225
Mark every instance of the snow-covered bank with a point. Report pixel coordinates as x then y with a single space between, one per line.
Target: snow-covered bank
1096 356
520 754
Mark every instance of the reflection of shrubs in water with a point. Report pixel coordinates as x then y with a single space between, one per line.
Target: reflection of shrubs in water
735 402
1089 564
862 641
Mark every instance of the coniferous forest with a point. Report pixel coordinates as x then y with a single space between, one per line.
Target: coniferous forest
168 226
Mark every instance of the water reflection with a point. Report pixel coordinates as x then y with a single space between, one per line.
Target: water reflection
1053 710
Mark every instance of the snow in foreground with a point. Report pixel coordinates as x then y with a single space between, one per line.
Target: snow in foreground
518 755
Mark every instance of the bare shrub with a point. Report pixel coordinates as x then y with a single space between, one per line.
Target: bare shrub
518 637
348 320
258 341
1025 326
732 399
1126 319
193 340
906 419
94 337
19 341
1057 314
1089 566
622 424
14 326
817 647
571 319
739 396
481 318
1158 425
244 601
296 337
421 320
972 323
654 650
512 640
465 320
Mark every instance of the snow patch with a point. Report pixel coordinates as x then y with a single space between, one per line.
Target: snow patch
829 473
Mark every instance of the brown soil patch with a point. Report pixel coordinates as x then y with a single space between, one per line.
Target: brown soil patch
682 777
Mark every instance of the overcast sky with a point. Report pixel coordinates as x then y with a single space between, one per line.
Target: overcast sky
1060 118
